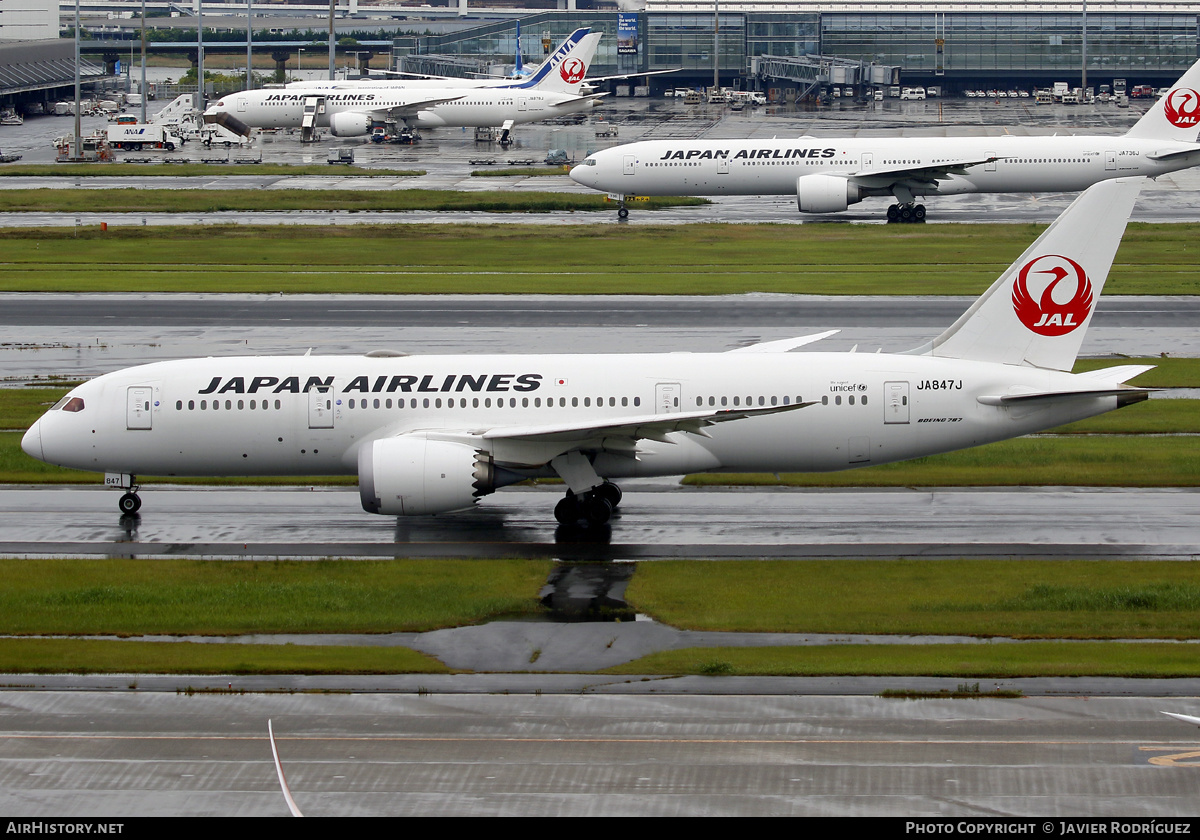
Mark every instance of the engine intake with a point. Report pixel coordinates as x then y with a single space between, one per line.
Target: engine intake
825 193
412 475
350 124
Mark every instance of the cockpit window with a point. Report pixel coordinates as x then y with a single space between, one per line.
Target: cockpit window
590 161
68 403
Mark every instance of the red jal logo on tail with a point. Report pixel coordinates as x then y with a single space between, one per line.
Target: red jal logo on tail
573 70
1047 316
1182 108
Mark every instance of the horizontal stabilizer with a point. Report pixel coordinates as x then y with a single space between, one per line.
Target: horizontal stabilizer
1118 374
1125 396
1176 154
784 344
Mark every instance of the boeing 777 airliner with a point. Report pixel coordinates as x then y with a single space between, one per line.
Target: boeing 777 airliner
828 174
354 110
433 434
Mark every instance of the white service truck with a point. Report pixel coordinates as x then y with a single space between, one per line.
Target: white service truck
143 136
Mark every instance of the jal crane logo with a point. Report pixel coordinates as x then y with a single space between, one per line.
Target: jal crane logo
573 70
1182 108
1050 315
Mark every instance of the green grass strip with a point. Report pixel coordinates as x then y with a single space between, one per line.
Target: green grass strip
190 170
282 200
996 661
699 259
98 656
1050 461
521 172
132 597
1084 599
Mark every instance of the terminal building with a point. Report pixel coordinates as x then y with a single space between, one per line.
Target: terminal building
960 45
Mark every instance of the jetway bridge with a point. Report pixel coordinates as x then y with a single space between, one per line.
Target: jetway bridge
808 73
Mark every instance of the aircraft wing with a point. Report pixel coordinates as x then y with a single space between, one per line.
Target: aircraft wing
590 79
884 177
636 427
1192 719
783 345
411 108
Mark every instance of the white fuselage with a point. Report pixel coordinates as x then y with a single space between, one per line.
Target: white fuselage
276 108
269 415
772 167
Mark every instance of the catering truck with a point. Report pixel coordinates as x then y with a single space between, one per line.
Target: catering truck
143 136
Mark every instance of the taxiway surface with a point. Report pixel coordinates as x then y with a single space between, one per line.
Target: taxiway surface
654 521
162 754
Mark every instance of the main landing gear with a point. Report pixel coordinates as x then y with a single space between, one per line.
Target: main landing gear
595 507
908 212
590 499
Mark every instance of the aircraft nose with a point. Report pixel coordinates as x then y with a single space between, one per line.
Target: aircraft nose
32 442
583 174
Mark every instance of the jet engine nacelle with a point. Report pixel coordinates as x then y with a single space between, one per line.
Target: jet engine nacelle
825 193
350 124
411 475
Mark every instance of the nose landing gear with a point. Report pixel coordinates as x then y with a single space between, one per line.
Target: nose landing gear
130 503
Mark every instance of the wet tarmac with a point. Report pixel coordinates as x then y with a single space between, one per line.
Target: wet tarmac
449 156
655 520
86 335
153 753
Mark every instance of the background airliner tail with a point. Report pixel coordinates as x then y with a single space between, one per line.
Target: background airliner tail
1175 116
564 70
1037 312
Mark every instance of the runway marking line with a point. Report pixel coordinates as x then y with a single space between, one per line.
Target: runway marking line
1141 744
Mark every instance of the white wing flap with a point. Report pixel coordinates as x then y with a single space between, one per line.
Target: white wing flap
933 172
652 426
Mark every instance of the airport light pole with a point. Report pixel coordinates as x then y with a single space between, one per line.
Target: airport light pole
142 87
716 44
1083 89
332 43
76 151
200 55
249 40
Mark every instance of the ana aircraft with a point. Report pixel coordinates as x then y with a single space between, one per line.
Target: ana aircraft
828 174
354 111
433 434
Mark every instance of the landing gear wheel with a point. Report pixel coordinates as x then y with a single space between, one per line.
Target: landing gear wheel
906 213
596 510
610 492
567 511
919 213
622 212
130 503
593 508
893 213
